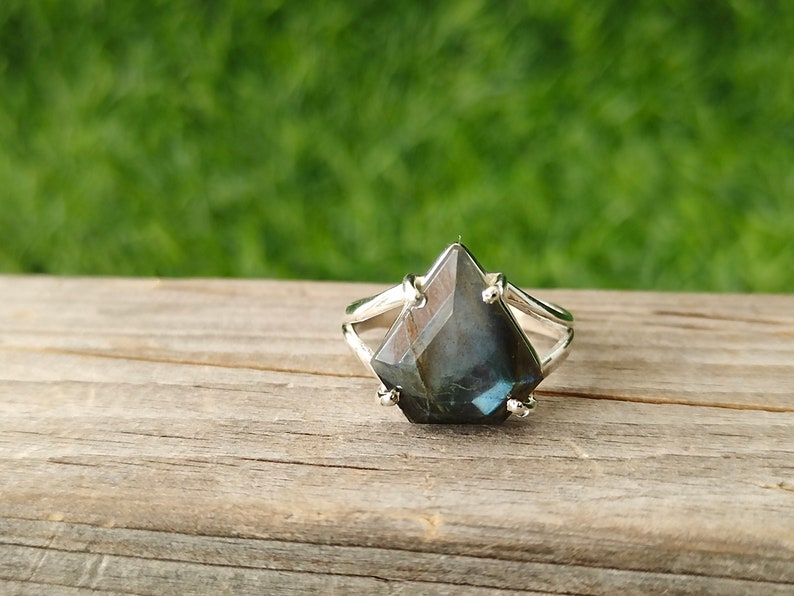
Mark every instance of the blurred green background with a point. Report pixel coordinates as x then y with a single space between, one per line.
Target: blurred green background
606 144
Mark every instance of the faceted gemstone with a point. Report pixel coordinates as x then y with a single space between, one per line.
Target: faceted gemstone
455 358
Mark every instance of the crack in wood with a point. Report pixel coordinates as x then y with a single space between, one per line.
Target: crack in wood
779 486
658 401
311 464
179 361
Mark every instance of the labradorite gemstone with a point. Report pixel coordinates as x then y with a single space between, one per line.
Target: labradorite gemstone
455 358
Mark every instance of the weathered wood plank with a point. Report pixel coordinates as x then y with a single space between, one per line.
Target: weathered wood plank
165 436
256 564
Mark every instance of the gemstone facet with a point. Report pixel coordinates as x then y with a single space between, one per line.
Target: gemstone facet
455 358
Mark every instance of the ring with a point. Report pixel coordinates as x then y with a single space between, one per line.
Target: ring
454 352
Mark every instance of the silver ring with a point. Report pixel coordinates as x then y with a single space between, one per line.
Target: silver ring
454 352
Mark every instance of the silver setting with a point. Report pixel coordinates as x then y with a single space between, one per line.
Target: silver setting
494 292
412 291
380 311
388 397
550 320
522 409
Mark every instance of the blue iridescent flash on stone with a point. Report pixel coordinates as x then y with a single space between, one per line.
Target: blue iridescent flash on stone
455 358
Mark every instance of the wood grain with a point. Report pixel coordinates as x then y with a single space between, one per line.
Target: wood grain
216 436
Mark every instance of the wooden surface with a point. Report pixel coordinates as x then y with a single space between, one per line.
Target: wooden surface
215 436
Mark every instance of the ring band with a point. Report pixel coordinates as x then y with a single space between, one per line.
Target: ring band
455 353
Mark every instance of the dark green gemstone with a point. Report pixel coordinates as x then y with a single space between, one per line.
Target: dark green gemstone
457 359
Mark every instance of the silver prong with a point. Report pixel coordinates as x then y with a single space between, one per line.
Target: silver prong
388 397
522 409
496 288
412 289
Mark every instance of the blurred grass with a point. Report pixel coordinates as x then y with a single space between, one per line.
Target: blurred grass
598 144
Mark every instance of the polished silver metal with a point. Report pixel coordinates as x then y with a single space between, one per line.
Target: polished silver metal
412 290
381 310
496 289
388 397
522 409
